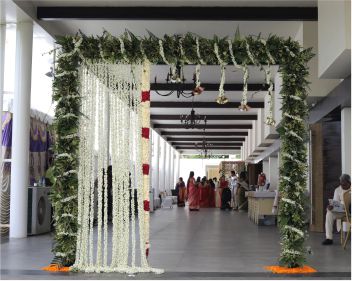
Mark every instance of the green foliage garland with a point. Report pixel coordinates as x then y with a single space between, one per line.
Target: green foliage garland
129 48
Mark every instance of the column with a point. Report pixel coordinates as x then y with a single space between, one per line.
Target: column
162 165
156 166
168 168
2 63
177 166
346 140
2 73
172 168
273 172
266 168
20 133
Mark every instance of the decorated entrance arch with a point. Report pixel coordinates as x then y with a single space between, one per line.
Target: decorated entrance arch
118 65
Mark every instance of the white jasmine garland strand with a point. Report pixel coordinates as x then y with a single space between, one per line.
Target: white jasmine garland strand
101 149
68 115
67 199
161 52
198 52
245 85
69 97
122 48
197 75
270 57
66 234
286 178
289 51
249 53
81 174
222 81
77 44
63 73
292 133
71 136
293 117
291 158
67 215
229 41
92 185
216 51
294 97
270 118
292 252
289 201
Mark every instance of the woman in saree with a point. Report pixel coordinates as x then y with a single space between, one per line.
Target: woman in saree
181 196
204 193
222 184
192 193
211 194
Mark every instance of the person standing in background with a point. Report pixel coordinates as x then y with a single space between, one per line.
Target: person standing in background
181 193
193 192
233 187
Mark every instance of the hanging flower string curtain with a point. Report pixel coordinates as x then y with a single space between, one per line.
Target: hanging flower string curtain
128 48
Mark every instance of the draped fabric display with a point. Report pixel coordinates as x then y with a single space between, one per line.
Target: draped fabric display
39 156
111 127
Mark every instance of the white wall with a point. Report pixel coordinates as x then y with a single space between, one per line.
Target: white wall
346 140
334 38
196 165
266 168
318 87
260 127
273 172
162 164
155 162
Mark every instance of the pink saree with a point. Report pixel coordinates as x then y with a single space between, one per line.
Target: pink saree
193 195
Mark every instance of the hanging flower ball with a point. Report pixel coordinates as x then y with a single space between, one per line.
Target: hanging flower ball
198 90
222 100
244 107
270 121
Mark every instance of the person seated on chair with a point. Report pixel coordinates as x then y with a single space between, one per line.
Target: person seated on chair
242 187
345 185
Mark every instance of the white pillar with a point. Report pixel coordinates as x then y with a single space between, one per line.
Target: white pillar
20 131
172 168
178 167
2 64
346 140
156 166
266 168
162 165
273 172
168 161
2 74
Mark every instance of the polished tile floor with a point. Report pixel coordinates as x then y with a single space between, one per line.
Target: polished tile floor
210 244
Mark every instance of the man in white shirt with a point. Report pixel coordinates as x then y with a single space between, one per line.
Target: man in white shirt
233 187
345 185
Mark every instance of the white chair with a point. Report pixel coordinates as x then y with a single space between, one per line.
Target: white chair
166 201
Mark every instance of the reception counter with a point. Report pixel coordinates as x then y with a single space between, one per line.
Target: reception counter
260 203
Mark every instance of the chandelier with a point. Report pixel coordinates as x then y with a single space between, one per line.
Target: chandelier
204 147
192 120
177 78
